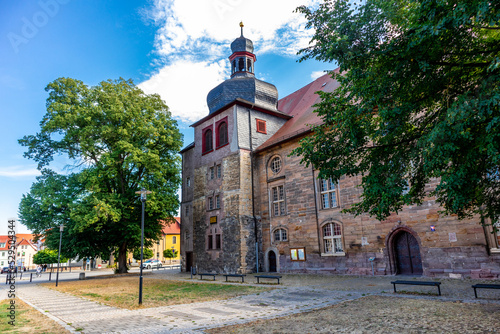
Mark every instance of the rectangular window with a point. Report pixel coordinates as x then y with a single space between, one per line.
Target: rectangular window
210 241
187 210
219 171
328 193
261 126
217 241
211 174
174 239
217 202
188 182
278 197
210 203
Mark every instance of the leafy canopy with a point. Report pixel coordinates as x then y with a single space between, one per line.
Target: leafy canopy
118 140
47 256
147 253
419 101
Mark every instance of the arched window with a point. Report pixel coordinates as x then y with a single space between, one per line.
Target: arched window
275 165
280 235
332 239
222 134
207 141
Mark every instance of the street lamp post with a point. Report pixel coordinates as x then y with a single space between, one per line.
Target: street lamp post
143 192
61 228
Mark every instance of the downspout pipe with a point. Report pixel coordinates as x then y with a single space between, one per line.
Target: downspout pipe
253 191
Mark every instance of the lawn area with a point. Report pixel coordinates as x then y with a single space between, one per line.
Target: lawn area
28 320
123 292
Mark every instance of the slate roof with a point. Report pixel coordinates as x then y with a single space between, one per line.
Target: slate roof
300 105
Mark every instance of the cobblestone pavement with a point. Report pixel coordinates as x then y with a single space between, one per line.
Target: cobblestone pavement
297 294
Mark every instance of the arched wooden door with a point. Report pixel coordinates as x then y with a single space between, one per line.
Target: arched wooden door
407 253
272 261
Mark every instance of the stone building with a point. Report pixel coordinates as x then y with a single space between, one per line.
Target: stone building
248 206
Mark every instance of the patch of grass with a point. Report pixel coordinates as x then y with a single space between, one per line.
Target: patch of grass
123 292
28 320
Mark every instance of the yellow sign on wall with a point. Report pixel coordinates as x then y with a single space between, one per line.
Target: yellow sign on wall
213 220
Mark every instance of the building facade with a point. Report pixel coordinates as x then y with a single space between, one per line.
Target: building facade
248 205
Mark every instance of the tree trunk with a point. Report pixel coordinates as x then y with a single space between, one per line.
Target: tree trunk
122 259
112 259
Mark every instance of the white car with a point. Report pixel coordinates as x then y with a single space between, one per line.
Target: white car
148 264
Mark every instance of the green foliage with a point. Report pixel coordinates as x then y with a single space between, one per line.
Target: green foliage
147 254
169 253
118 140
419 101
47 256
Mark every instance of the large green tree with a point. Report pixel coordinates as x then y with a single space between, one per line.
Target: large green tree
419 101
118 140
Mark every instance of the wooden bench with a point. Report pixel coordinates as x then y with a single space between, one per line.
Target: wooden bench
485 286
236 275
268 276
207 274
418 283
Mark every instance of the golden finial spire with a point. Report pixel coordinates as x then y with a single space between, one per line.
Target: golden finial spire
241 26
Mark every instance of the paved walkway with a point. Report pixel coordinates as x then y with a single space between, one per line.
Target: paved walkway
298 293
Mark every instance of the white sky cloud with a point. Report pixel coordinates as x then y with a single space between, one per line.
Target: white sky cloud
193 40
316 74
18 171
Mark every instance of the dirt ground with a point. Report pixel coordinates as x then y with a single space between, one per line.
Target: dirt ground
379 314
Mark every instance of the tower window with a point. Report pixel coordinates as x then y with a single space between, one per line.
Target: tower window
261 126
207 140
241 64
249 65
222 135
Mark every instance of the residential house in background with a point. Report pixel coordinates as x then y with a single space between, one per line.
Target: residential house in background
248 205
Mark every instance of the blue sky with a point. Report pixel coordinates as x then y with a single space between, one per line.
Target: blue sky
175 48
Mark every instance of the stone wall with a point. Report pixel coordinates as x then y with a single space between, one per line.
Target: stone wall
448 247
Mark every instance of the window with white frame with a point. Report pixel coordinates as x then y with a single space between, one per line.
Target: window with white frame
174 239
211 173
278 197
210 203
217 202
332 239
328 193
280 235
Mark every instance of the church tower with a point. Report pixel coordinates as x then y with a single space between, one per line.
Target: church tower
220 231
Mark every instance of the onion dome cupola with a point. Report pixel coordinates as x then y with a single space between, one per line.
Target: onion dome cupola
243 83
242 59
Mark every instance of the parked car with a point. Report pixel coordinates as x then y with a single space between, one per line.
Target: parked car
5 270
148 264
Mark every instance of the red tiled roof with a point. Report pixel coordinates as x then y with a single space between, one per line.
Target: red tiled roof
174 228
300 105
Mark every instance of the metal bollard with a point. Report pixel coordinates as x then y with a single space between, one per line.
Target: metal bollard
31 277
50 276
21 275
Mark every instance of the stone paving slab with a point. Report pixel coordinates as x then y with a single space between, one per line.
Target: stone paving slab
296 295
93 317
